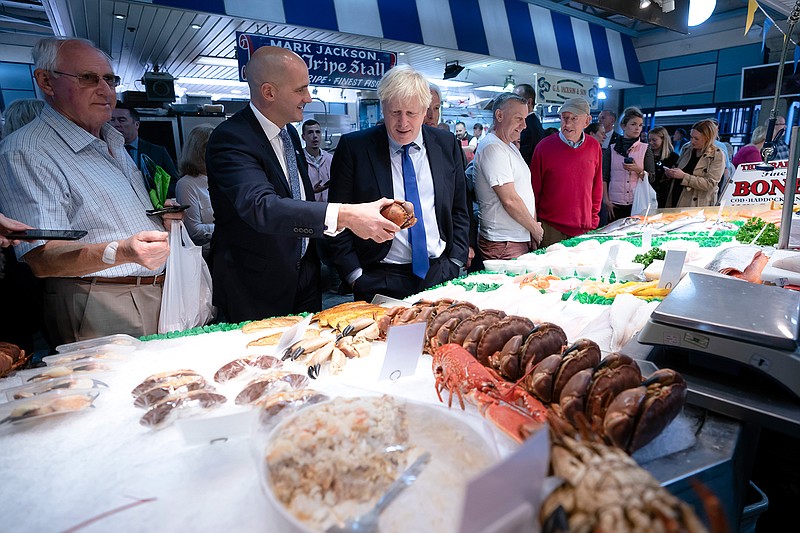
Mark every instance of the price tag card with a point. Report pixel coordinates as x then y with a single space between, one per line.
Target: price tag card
502 490
388 301
293 334
610 260
647 238
403 348
673 266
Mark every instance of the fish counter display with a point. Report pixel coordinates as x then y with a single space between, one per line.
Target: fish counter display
179 430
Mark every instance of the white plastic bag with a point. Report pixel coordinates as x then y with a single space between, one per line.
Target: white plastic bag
186 300
644 196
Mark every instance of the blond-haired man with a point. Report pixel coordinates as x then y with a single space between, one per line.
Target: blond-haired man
402 159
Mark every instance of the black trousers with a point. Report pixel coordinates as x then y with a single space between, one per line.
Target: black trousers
398 281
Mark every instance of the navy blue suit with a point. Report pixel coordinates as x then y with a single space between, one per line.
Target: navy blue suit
361 171
256 266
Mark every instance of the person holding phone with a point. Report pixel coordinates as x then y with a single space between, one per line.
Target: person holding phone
700 167
68 169
667 191
625 164
9 226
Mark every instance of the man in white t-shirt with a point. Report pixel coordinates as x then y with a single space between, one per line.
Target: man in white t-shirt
508 225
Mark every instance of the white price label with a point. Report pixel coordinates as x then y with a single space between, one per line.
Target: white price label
403 349
673 266
610 260
293 334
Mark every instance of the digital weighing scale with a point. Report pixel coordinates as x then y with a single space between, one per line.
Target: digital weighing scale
734 321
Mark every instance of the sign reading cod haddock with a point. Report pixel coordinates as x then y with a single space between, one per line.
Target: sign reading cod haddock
752 186
329 65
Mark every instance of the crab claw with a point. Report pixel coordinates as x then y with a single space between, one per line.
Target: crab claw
313 371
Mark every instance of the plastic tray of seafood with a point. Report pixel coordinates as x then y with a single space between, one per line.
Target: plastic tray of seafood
113 352
71 382
118 340
52 403
83 367
365 443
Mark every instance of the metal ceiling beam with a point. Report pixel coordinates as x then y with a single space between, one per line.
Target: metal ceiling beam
578 14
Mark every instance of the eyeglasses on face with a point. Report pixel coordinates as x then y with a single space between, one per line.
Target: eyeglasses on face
91 79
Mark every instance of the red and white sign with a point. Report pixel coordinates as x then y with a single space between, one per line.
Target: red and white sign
752 186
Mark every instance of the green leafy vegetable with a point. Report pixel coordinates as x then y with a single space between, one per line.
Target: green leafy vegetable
647 258
753 227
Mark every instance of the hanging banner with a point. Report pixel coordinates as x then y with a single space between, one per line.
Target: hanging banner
329 65
555 90
752 186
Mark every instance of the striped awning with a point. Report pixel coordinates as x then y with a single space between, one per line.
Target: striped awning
504 29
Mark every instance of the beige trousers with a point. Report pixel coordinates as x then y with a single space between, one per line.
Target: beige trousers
76 309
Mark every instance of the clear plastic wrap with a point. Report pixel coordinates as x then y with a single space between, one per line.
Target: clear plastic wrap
171 387
73 382
245 366
156 379
261 388
187 404
85 366
112 352
118 340
332 461
46 405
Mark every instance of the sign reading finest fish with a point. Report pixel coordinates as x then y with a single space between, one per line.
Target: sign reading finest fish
329 65
556 90
752 186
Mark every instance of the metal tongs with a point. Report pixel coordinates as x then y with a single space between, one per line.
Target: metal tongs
368 522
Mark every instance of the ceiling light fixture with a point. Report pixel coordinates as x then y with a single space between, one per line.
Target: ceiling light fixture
644 4
490 88
700 10
451 70
217 61
212 81
437 58
119 16
401 53
601 95
509 84
196 26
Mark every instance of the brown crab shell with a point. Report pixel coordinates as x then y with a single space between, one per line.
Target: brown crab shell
401 213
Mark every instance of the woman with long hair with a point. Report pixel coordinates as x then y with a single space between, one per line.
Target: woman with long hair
625 164
665 157
700 167
192 188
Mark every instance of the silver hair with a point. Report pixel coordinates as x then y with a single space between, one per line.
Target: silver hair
404 84
20 112
502 100
759 135
435 89
45 51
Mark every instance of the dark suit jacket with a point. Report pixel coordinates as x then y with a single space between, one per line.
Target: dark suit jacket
160 157
258 226
361 171
530 137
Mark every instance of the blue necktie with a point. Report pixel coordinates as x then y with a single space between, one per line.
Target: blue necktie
416 233
294 175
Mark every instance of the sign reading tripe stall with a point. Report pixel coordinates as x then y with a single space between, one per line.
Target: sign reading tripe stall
329 65
752 186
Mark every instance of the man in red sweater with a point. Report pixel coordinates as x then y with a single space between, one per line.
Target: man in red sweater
567 177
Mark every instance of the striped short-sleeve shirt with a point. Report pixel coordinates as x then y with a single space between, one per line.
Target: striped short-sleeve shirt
56 175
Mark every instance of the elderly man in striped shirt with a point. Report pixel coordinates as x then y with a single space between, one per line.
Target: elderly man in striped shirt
68 169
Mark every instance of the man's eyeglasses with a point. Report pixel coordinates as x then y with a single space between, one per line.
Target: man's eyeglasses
90 79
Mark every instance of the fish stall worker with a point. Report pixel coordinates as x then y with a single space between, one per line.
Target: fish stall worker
263 202
68 169
700 167
405 160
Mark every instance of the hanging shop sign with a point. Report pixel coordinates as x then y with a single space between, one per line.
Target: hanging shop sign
752 186
329 65
555 90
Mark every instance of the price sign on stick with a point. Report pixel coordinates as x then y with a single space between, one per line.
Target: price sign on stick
508 490
673 266
293 334
403 348
610 260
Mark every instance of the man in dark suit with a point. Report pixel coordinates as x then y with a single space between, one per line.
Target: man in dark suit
125 120
533 132
405 160
264 209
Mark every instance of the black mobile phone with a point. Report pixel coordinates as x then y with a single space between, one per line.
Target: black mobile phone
168 209
628 160
47 235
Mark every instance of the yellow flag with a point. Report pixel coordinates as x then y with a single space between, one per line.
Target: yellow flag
752 6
